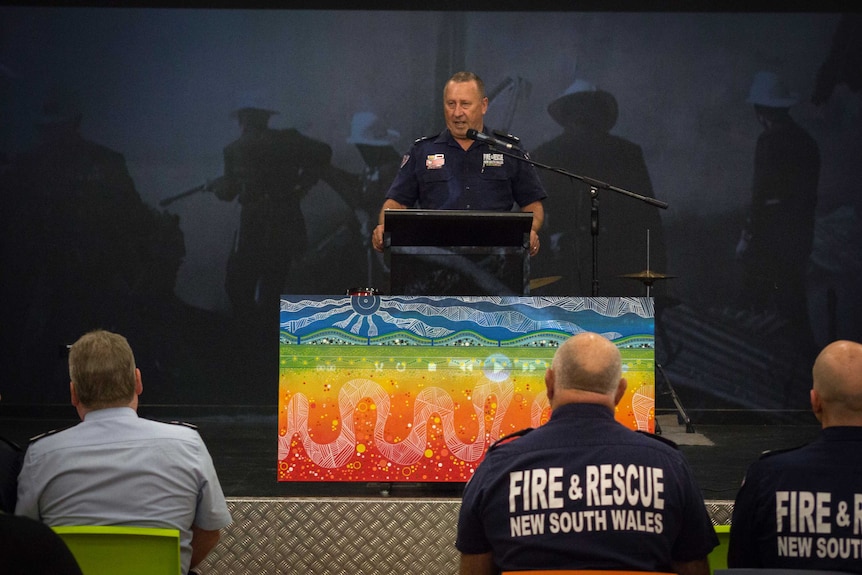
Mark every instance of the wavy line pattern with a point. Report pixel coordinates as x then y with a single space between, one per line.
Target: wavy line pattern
429 401
435 318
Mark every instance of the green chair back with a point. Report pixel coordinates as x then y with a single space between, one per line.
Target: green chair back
103 550
718 556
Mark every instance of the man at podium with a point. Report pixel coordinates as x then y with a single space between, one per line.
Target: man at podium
459 169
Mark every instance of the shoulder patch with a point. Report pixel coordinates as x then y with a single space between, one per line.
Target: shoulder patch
174 422
509 438
659 438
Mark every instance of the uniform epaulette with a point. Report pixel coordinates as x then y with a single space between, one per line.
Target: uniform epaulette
174 422
511 437
184 424
659 438
48 433
771 452
424 138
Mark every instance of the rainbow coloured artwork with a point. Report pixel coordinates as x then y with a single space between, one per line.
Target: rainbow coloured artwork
415 389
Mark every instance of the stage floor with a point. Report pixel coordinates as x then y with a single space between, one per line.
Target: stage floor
243 447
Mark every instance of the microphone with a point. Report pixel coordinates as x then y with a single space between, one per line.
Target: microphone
482 137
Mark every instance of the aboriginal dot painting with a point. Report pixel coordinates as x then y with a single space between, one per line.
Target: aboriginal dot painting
415 389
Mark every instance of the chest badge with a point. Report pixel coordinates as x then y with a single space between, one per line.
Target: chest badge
435 161
492 160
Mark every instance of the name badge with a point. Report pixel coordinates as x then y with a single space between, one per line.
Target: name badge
492 160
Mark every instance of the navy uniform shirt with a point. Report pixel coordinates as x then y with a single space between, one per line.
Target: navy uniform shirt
585 492
802 508
438 174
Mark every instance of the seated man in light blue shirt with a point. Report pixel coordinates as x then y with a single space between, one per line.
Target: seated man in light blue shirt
115 468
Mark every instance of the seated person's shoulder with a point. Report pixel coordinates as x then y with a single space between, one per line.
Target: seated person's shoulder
509 439
778 456
185 424
659 438
50 434
168 430
785 451
180 428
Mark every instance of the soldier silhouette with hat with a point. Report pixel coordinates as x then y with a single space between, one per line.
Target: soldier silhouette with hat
775 243
268 171
587 148
81 248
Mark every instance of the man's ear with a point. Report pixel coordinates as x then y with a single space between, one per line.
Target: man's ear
549 383
139 384
816 404
73 394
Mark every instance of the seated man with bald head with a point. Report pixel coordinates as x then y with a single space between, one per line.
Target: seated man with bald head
802 508
584 491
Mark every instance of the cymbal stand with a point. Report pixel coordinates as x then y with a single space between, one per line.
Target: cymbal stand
648 284
594 233
682 416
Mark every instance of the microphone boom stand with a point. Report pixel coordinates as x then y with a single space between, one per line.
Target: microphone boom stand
595 186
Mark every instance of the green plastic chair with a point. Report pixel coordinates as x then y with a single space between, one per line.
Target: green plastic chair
718 556
104 550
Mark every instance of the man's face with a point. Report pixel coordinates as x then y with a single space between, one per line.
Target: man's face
464 108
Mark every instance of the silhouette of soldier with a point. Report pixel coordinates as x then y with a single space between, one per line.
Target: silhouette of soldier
776 241
80 249
269 171
587 148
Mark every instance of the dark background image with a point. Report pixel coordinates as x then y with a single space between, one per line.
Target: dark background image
158 85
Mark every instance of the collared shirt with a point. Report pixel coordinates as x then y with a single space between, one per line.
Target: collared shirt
802 508
585 492
115 468
438 174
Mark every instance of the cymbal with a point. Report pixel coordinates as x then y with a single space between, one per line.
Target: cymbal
542 282
647 276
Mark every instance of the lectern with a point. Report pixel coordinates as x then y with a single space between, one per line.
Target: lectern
457 252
